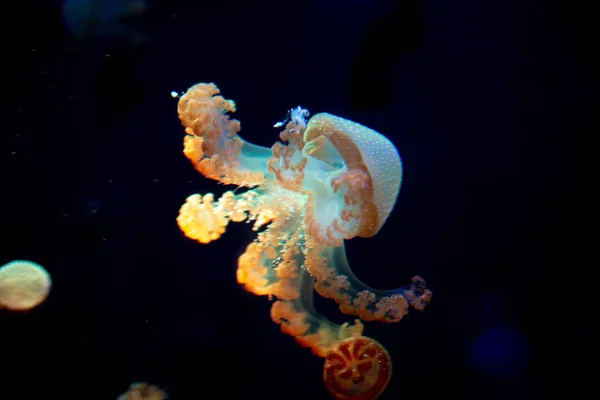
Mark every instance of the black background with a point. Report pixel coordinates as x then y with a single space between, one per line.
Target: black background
491 106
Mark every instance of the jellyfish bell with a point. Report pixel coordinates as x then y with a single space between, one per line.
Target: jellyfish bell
357 368
367 166
24 285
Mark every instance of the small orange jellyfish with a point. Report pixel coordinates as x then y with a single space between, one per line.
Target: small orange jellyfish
357 368
329 180
23 285
143 391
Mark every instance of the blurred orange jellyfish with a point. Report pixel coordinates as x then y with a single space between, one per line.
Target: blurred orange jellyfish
330 180
23 285
143 391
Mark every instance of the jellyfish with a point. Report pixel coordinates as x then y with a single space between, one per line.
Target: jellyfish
327 181
23 285
143 391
